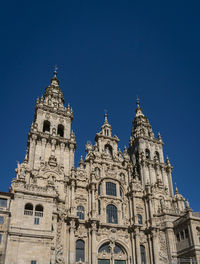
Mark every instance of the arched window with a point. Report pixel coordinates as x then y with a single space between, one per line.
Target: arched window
142 253
105 247
80 212
28 209
99 207
99 189
182 235
80 250
121 192
46 126
186 233
118 249
60 131
111 212
139 217
108 149
39 210
157 155
178 237
147 154
111 188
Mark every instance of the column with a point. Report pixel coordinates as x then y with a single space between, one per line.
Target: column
150 249
72 198
133 247
155 247
72 243
66 160
44 141
53 147
93 204
32 150
146 173
170 181
103 184
71 156
152 173
94 250
137 243
62 147
171 242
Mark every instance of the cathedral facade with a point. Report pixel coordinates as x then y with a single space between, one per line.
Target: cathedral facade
114 208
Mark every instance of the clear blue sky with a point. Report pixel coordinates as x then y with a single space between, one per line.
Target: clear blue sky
108 52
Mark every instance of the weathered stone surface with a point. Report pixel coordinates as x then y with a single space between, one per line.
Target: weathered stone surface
116 205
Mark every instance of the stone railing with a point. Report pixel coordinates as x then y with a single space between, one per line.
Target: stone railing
28 212
39 213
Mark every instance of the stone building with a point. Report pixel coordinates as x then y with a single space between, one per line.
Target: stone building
114 208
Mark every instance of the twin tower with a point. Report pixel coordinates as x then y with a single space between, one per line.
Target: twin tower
114 208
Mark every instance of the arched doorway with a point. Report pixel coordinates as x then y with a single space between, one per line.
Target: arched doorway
112 253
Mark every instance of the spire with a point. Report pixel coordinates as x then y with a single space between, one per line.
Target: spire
106 128
141 126
138 109
106 119
54 79
53 95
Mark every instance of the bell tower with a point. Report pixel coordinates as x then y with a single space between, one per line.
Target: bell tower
50 135
146 153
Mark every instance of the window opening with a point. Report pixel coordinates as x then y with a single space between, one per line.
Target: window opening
147 154
3 202
105 247
80 212
1 220
121 192
60 131
80 250
46 126
36 221
111 188
139 219
99 189
182 235
178 237
28 209
99 207
186 233
111 212
143 256
39 210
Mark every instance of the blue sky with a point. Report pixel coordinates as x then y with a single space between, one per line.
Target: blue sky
107 52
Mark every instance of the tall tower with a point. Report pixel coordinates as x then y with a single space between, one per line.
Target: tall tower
40 187
147 153
50 134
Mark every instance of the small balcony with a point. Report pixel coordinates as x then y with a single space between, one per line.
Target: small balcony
28 212
39 213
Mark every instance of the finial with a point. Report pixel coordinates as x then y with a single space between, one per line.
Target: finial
55 70
138 101
167 161
159 136
106 116
55 80
176 188
81 162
